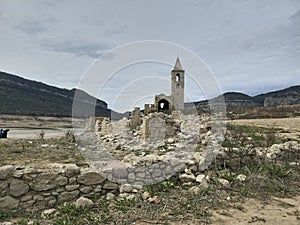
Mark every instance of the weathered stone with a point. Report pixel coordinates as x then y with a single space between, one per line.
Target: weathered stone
154 199
111 186
120 172
49 213
38 198
201 178
8 202
18 174
131 176
84 202
197 156
67 196
26 198
224 182
72 170
6 223
185 178
241 177
156 173
72 187
98 188
4 185
146 195
6 172
60 189
27 205
125 188
72 180
195 190
90 178
44 182
170 140
18 188
50 201
86 190
150 159
110 196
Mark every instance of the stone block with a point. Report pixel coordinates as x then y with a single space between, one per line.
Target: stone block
46 181
72 170
111 186
8 202
90 178
6 172
67 196
18 188
72 187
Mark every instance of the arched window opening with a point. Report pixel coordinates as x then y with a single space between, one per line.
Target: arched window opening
177 77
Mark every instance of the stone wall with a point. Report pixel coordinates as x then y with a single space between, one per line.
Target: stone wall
32 189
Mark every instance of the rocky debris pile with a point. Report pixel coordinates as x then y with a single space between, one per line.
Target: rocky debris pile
277 149
162 146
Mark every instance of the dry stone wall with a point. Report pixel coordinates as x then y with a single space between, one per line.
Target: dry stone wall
32 189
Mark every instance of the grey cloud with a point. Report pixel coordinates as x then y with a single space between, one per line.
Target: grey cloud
78 48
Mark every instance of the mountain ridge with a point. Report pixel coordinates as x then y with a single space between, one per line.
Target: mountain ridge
20 96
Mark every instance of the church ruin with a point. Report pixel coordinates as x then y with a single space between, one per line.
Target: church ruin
175 101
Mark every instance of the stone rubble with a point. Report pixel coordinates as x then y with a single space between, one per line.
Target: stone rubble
138 160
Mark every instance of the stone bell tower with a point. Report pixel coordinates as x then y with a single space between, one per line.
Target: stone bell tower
177 86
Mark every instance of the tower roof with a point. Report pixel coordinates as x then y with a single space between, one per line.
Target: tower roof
178 65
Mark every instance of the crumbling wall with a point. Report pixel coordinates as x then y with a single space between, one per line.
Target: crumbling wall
32 189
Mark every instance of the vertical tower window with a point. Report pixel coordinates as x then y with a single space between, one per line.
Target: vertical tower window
177 77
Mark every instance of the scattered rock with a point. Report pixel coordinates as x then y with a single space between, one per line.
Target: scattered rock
224 182
146 195
127 188
83 202
110 196
49 213
170 140
6 223
241 177
201 178
155 199
195 190
185 178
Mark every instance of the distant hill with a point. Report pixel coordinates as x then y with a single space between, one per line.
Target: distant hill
288 96
19 96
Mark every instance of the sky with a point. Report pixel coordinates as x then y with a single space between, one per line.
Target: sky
250 46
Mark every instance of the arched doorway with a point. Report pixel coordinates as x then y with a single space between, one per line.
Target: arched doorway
163 106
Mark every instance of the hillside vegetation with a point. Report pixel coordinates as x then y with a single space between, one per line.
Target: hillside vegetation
20 96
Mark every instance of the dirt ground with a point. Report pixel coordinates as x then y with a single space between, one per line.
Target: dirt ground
290 126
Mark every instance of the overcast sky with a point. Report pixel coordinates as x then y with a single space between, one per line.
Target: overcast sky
252 46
